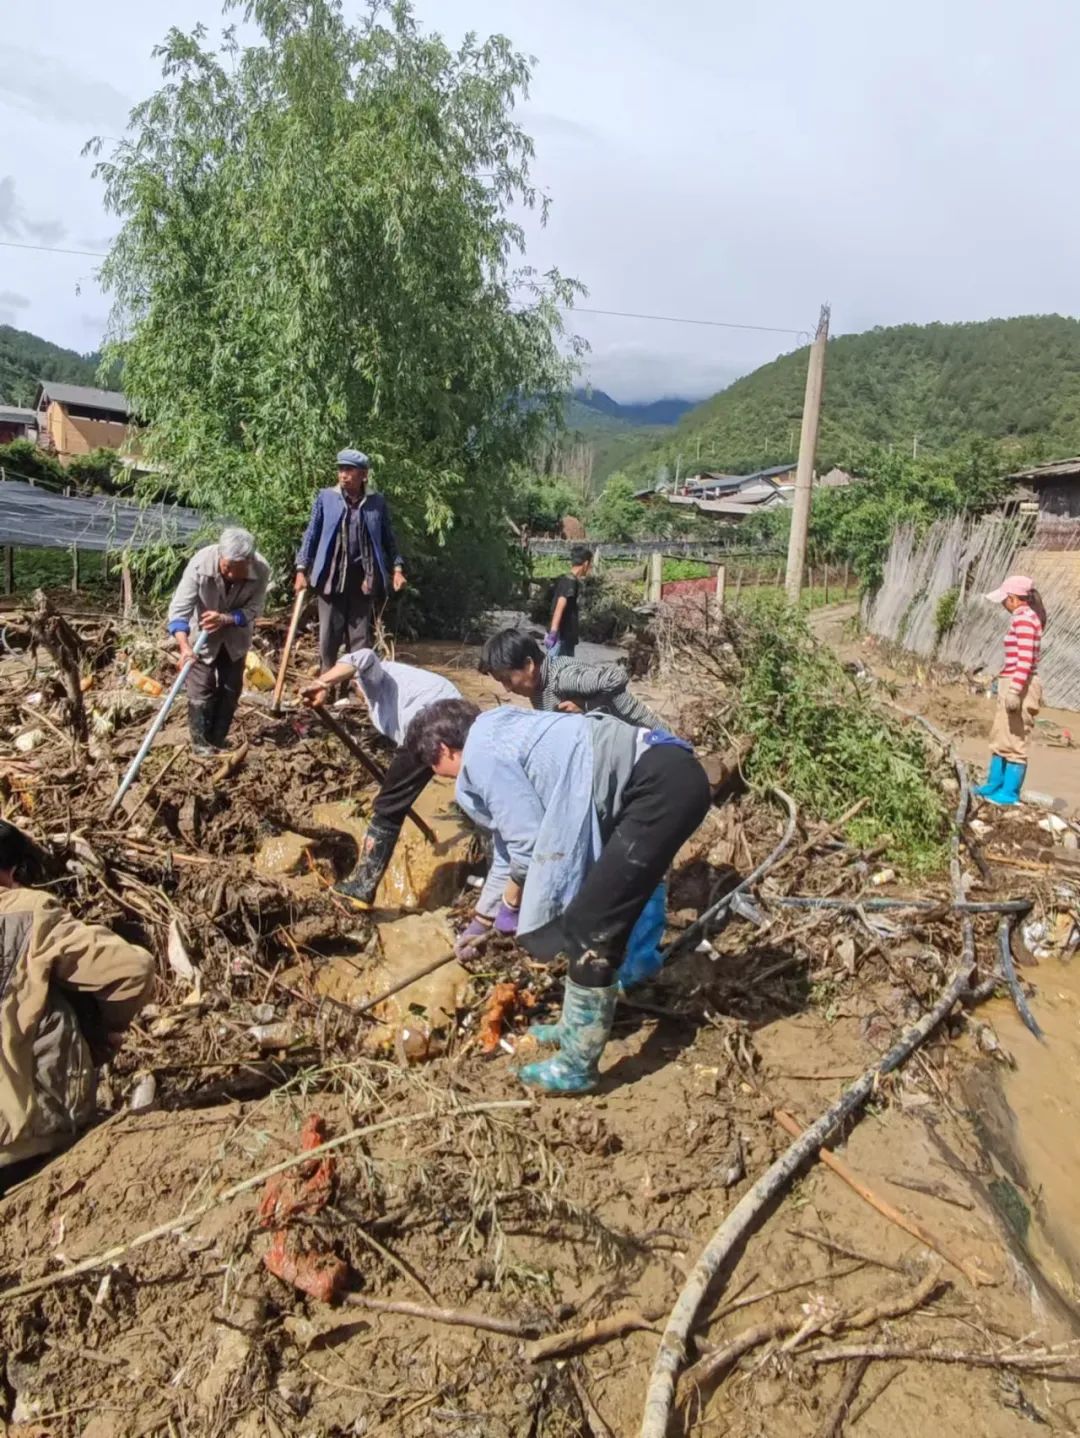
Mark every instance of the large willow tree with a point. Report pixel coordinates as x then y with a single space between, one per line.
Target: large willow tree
318 247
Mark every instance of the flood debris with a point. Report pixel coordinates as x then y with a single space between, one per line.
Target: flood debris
336 1164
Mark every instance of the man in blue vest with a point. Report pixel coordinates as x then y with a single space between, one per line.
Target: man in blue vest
348 555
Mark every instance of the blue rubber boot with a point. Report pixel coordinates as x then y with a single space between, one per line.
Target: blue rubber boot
994 776
1008 795
586 1022
547 1033
643 960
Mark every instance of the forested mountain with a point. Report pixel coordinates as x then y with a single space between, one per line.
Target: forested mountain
925 385
24 359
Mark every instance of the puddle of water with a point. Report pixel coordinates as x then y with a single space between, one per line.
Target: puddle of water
1043 1098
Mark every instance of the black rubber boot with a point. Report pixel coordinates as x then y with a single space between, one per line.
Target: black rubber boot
220 719
375 856
198 717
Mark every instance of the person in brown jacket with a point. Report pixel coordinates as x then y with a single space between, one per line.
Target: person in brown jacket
68 991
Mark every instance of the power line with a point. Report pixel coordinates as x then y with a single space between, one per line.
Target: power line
681 320
52 249
568 309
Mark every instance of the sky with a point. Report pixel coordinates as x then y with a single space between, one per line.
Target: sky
705 160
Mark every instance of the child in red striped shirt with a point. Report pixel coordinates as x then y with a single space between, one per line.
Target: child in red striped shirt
1019 690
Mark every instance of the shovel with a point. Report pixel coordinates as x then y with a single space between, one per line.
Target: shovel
155 727
286 653
377 772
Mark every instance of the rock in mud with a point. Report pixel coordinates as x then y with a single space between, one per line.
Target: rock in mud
282 854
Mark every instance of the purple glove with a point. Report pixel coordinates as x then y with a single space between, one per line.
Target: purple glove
506 920
465 946
550 640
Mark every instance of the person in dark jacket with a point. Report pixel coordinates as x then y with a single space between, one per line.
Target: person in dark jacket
562 636
348 555
571 686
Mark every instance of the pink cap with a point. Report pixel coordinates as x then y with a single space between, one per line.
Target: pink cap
1018 584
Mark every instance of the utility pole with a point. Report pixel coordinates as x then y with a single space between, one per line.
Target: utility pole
915 446
804 473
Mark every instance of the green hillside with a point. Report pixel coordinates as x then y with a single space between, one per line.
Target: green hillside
24 359
1015 379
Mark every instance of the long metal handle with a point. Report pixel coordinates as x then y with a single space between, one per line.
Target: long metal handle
159 719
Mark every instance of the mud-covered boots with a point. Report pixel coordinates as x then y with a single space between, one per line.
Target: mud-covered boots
583 1031
375 855
198 717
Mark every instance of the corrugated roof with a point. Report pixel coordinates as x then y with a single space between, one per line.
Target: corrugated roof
83 394
34 518
1057 469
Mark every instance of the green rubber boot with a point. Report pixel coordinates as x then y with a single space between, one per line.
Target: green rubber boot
584 1027
547 1033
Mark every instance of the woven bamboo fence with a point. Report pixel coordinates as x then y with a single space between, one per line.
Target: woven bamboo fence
966 558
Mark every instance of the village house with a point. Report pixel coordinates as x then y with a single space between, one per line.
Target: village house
74 419
1056 488
16 423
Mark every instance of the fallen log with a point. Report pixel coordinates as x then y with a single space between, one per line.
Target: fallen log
672 1350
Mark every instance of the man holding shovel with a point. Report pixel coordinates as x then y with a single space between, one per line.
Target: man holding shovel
395 694
348 555
223 589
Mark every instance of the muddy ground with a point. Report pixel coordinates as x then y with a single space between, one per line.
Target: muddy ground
544 1215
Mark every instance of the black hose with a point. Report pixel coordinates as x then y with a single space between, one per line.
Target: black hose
960 906
1012 979
687 937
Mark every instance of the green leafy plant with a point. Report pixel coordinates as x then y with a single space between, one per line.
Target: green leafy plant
819 736
945 613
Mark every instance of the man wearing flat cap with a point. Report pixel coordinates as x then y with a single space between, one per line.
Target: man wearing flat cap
348 555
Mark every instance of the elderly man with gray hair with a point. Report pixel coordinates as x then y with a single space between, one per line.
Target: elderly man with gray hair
223 589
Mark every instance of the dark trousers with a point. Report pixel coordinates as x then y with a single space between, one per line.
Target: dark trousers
217 686
666 799
405 781
345 620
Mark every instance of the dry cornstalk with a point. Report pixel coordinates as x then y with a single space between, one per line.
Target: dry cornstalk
968 1267
188 1220
672 1350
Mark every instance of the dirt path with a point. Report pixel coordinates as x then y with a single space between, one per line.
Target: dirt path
963 712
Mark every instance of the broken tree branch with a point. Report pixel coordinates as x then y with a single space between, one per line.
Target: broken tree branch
971 1270
456 1317
837 1414
672 1350
599 1330
1041 1361
710 1368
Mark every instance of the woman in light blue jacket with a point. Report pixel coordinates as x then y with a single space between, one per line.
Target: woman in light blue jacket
586 813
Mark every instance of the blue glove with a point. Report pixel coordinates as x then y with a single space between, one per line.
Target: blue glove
466 947
506 920
661 736
551 639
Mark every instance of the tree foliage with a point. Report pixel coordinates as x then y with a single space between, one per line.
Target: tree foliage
855 524
911 386
318 248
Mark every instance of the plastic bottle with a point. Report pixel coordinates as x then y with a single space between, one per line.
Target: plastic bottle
257 674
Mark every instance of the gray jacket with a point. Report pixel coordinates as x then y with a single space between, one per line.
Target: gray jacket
203 587
396 693
603 687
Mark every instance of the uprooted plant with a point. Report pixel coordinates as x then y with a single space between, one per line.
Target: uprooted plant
816 731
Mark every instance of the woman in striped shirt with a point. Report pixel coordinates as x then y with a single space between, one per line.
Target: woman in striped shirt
1019 690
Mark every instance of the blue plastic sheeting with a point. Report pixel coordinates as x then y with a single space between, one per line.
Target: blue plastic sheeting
33 518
